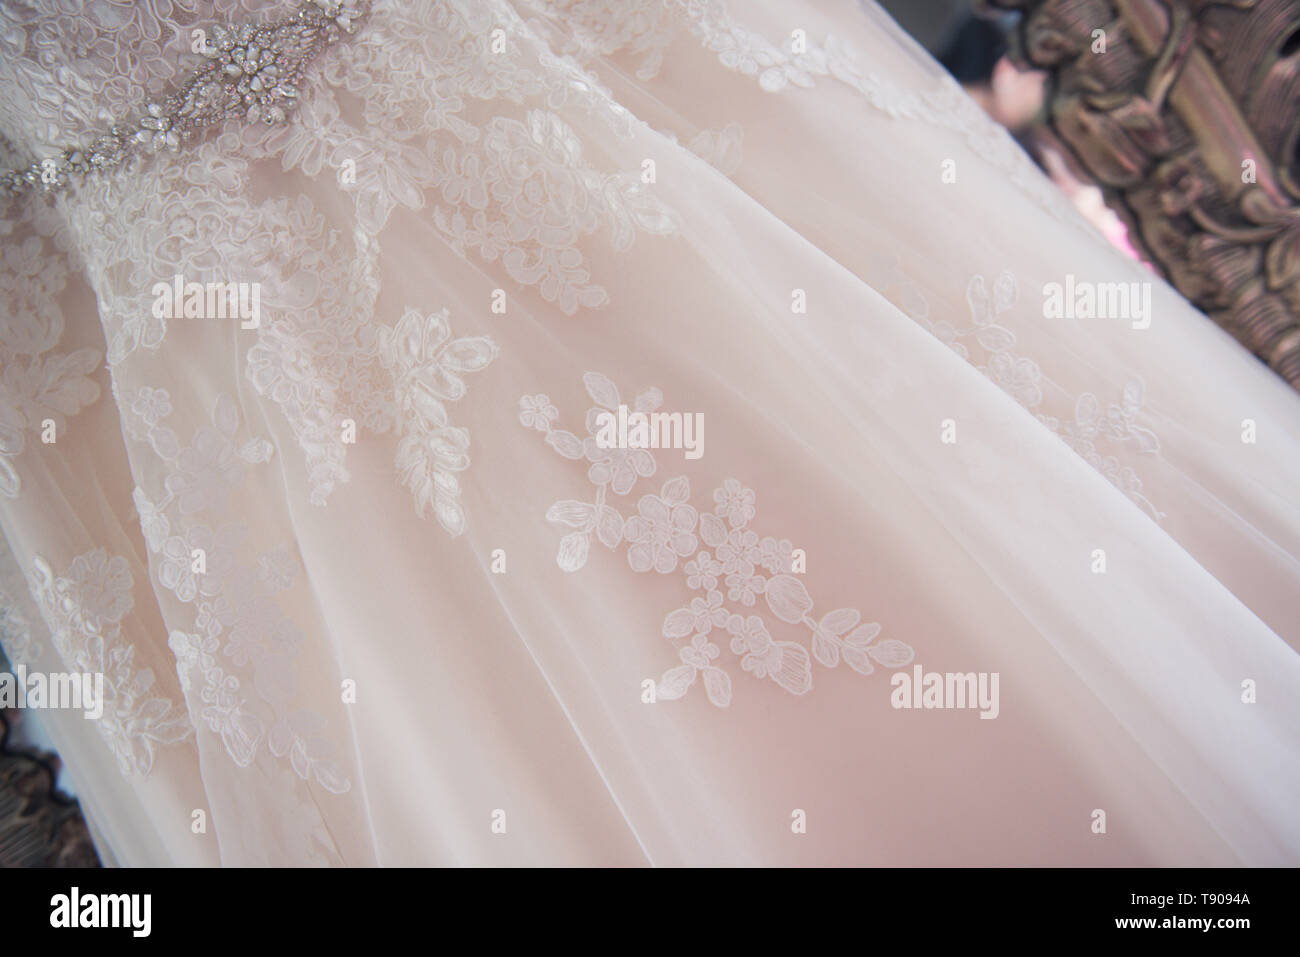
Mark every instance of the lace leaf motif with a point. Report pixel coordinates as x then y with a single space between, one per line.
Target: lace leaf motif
241 635
716 550
527 195
517 189
427 365
84 608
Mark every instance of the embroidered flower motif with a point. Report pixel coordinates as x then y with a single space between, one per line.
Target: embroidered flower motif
744 588
666 530
776 556
785 662
702 615
255 628
617 468
702 571
151 405
1022 379
84 609
100 586
238 622
537 412
542 197
739 551
209 616
207 469
427 366
697 658
662 530
221 703
734 503
1018 377
199 547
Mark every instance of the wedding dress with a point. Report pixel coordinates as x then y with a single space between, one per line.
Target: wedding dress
366 587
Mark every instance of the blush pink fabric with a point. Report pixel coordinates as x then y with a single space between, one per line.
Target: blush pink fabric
429 619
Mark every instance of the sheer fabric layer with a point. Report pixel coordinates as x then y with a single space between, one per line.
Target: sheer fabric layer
431 607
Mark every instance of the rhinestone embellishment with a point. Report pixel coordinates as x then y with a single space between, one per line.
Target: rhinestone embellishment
253 73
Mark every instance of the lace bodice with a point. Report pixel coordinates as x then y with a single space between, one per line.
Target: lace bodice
140 78
70 68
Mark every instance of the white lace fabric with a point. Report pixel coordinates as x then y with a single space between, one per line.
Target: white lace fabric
429 595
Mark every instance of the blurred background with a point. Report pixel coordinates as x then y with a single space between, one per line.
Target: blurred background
1172 125
973 42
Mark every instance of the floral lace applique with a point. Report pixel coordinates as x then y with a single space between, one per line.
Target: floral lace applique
518 191
585 29
715 551
37 383
597 28
426 365
106 56
515 189
222 706
1096 435
237 615
545 198
84 608
945 106
588 29
252 73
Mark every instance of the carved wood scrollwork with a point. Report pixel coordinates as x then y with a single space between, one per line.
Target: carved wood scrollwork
1187 114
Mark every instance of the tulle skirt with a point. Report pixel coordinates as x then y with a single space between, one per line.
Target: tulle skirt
923 571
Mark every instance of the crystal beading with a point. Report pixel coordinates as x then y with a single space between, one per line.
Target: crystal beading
253 73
